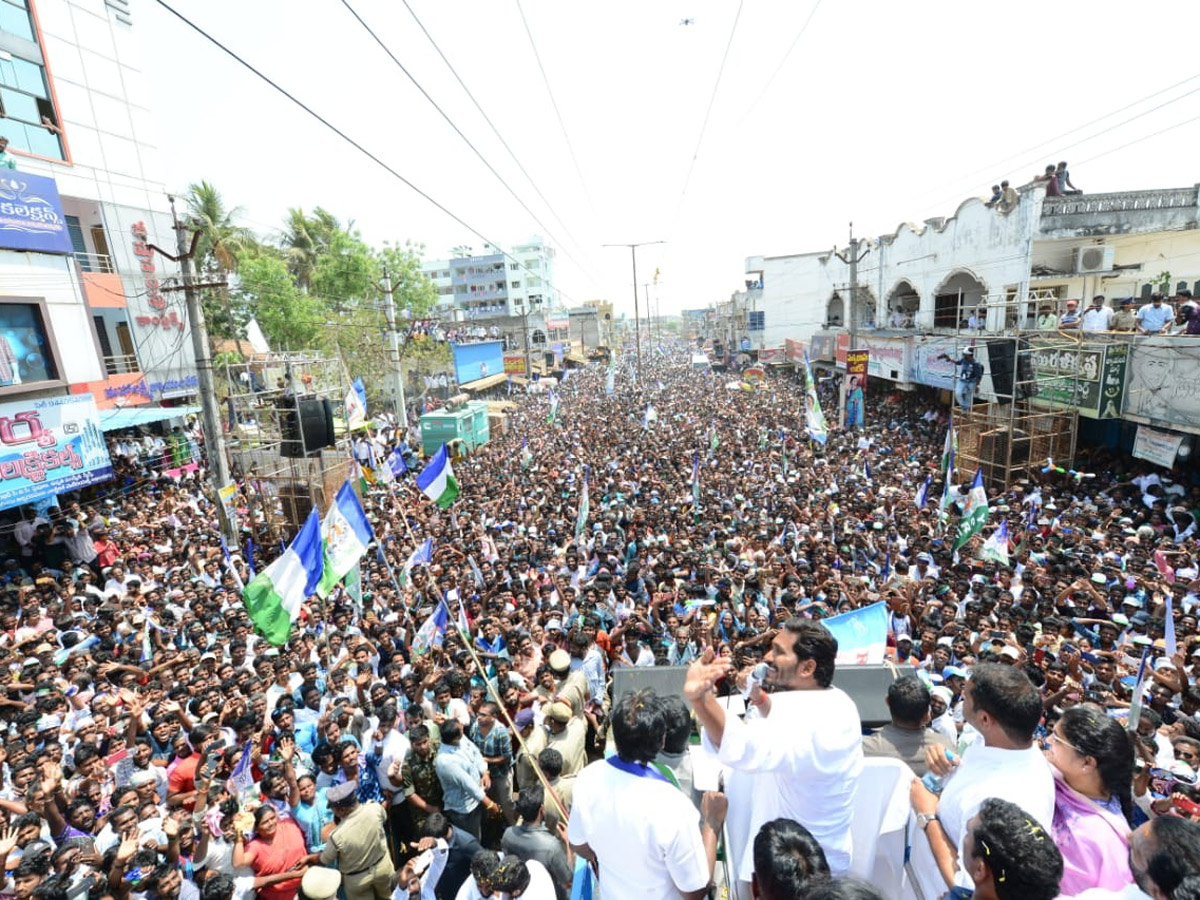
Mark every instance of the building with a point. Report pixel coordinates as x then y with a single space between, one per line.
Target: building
84 302
604 318
505 294
983 276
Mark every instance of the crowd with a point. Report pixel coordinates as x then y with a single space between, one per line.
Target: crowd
450 730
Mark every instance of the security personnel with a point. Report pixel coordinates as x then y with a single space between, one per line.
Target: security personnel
357 847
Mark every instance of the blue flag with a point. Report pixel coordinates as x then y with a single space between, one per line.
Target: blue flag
923 492
861 635
396 463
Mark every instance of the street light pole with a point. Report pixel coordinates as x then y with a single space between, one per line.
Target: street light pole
637 318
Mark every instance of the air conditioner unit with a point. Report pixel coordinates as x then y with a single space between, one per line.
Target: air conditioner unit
1097 258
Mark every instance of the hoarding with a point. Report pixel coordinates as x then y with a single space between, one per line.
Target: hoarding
49 446
31 216
1091 379
1158 447
475 361
1162 384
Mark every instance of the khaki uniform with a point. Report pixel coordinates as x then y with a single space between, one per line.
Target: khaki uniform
1125 319
571 742
564 787
358 849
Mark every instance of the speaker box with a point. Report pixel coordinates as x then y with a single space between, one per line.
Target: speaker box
306 430
866 685
1000 366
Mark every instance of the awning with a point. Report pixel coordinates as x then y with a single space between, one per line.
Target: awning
482 384
132 416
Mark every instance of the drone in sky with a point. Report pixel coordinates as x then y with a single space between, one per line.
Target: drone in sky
687 21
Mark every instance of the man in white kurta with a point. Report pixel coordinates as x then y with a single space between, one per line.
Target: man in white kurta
799 760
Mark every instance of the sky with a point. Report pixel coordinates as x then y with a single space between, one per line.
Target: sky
757 128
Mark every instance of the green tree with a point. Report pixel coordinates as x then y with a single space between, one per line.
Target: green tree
411 288
289 318
220 243
305 239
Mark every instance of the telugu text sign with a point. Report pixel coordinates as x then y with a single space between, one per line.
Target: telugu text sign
31 216
50 446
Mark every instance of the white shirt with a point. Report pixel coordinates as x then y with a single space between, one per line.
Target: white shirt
645 833
1096 319
1020 776
801 762
395 746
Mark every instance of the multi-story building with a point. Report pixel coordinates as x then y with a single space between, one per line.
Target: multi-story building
986 276
85 304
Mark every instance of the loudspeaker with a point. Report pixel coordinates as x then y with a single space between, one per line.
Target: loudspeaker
866 685
1000 365
307 434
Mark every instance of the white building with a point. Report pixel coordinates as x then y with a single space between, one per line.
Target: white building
82 297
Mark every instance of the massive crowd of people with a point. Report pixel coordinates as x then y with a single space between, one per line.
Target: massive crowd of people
157 748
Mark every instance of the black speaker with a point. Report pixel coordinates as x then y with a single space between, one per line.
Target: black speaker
307 434
866 685
1000 366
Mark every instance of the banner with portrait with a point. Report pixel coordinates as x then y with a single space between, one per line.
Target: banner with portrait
1162 384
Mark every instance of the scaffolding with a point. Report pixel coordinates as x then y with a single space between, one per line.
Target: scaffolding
1025 411
268 443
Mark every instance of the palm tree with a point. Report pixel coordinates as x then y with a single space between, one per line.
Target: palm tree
305 239
221 238
221 241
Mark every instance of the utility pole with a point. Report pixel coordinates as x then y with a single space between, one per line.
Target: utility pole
214 437
649 312
637 318
852 259
525 331
395 372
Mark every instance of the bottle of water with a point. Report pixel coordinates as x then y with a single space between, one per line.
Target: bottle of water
934 782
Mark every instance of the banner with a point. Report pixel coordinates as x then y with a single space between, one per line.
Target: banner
1163 382
31 216
475 361
856 387
1091 379
50 446
514 363
861 635
1158 447
823 347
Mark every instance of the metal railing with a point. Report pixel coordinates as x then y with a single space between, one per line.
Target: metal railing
1124 201
95 262
121 365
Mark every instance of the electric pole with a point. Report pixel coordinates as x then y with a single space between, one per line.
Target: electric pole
214 437
395 372
525 333
637 318
852 259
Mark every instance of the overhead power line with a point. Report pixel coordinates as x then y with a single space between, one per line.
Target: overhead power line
708 113
351 141
779 68
554 103
466 140
496 131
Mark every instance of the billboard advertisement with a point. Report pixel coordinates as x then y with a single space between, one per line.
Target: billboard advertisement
475 361
31 216
49 446
1162 384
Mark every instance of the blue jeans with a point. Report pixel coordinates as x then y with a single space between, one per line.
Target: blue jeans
964 392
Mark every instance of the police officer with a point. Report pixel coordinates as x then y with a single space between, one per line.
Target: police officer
357 847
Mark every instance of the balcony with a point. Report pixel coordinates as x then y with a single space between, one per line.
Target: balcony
1127 212
95 262
121 365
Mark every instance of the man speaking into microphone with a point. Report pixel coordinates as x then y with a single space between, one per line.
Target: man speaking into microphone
799 759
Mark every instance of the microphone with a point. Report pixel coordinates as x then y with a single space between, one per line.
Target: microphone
756 677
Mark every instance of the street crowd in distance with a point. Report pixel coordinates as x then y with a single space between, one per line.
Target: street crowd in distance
156 748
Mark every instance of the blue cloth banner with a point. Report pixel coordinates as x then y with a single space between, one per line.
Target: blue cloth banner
31 216
861 635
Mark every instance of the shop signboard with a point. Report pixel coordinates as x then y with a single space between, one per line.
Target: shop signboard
50 446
